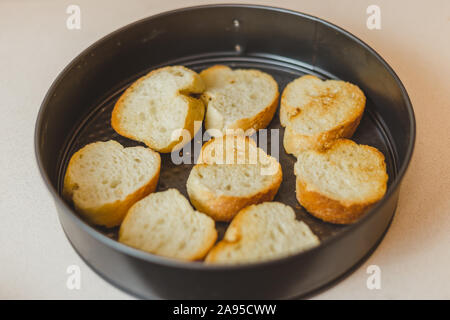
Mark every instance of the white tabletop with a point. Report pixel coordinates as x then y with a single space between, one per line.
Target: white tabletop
35 45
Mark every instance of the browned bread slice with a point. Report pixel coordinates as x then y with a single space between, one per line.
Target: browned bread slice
316 112
164 223
157 107
104 179
338 184
238 99
261 232
232 173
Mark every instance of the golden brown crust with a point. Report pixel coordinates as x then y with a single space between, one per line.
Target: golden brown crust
199 255
232 236
117 110
327 209
208 244
250 237
216 250
206 157
295 142
224 207
110 214
334 210
216 67
258 121
196 112
286 109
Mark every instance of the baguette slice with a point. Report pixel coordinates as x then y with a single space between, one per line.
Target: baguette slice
104 179
316 112
238 99
261 232
158 106
164 223
337 185
233 173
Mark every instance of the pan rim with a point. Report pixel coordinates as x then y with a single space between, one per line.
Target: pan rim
173 263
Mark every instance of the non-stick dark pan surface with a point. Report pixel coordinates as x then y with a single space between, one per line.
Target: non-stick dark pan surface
285 44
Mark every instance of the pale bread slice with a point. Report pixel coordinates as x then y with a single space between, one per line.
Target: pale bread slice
238 99
232 173
316 112
157 107
262 232
104 179
340 183
164 223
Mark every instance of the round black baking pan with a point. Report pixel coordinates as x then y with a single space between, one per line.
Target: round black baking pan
286 44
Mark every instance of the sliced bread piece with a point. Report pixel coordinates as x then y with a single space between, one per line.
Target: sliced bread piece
338 184
260 232
316 112
164 223
156 107
238 99
234 149
104 179
233 174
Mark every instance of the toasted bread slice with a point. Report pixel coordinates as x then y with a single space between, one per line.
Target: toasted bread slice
261 232
316 112
232 173
338 184
164 223
157 107
104 179
238 99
